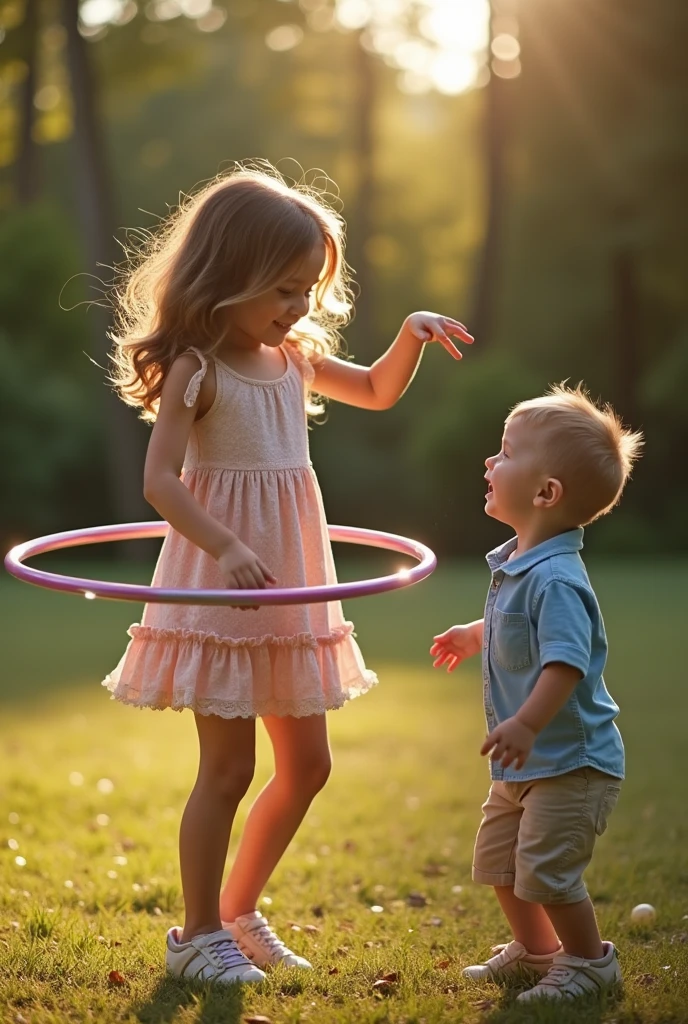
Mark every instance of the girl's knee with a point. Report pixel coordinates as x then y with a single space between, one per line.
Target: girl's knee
311 774
229 781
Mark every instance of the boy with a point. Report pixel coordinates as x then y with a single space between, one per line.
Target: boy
557 759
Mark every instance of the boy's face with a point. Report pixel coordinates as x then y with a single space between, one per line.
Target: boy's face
515 476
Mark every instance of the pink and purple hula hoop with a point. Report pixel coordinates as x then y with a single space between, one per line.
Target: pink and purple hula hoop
271 595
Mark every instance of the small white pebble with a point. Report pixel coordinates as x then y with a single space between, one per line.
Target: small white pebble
377 910
13 844
311 858
136 887
13 818
20 862
112 874
120 860
14 924
267 901
102 820
76 778
457 888
105 786
69 884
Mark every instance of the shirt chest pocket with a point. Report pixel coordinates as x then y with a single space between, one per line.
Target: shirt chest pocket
510 640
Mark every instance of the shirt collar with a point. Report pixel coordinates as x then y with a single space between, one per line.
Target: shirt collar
562 544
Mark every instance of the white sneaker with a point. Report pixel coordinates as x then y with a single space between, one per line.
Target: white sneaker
512 960
260 944
572 976
212 957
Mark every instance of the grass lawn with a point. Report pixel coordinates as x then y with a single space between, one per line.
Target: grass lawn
91 793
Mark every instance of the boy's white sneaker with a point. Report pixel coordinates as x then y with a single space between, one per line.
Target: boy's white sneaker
573 976
512 960
213 957
259 943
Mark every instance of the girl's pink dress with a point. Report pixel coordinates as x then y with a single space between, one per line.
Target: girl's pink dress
247 463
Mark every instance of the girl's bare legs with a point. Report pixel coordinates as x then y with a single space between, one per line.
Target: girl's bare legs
529 922
227 760
302 766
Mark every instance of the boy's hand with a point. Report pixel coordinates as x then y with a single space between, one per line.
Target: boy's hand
511 743
454 646
428 327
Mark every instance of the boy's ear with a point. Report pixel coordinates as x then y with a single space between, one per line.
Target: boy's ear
550 494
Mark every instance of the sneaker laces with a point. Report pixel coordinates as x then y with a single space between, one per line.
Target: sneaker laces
265 937
227 952
560 974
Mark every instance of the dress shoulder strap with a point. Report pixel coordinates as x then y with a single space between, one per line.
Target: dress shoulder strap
301 361
191 393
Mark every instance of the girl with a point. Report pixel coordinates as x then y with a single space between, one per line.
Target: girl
225 328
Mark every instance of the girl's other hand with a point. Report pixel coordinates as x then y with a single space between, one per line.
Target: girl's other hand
429 327
454 646
242 569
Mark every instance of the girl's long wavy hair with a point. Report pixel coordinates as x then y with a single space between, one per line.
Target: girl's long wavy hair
233 240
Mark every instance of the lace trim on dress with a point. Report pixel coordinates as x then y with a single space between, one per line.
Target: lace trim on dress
191 393
308 640
297 708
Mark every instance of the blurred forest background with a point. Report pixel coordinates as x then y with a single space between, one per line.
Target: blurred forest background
519 164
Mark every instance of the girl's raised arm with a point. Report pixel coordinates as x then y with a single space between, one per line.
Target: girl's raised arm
381 385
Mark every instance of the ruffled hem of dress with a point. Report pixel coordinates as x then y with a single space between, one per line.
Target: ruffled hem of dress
155 634
250 677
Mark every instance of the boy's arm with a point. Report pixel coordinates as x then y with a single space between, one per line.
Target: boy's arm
512 741
564 636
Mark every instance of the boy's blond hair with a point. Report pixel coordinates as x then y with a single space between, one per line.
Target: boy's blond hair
584 445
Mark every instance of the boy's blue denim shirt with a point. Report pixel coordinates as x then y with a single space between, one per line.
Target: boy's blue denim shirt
541 608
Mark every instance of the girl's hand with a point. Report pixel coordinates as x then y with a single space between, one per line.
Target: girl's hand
511 743
243 570
454 646
432 327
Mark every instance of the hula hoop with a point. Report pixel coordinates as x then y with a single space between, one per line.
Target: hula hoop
157 595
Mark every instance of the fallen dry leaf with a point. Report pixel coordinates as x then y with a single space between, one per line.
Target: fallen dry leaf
343 950
381 987
416 899
317 911
390 977
443 964
350 846
115 978
333 970
436 922
312 929
259 1019
647 979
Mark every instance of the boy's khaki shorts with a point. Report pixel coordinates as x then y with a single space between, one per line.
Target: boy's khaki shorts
538 835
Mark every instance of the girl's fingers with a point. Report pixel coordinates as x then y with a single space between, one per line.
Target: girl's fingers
269 576
453 662
450 346
454 327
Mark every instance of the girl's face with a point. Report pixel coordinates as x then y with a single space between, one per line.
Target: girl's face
267 319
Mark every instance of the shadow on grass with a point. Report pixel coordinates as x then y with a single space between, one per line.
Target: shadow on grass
506 1010
220 1004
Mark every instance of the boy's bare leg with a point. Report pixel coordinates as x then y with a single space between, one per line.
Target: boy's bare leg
529 922
576 926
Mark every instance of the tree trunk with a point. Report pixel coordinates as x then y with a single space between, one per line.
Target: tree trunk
486 286
361 223
124 435
26 166
626 333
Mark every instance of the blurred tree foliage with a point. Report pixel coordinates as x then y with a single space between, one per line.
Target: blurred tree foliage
591 269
